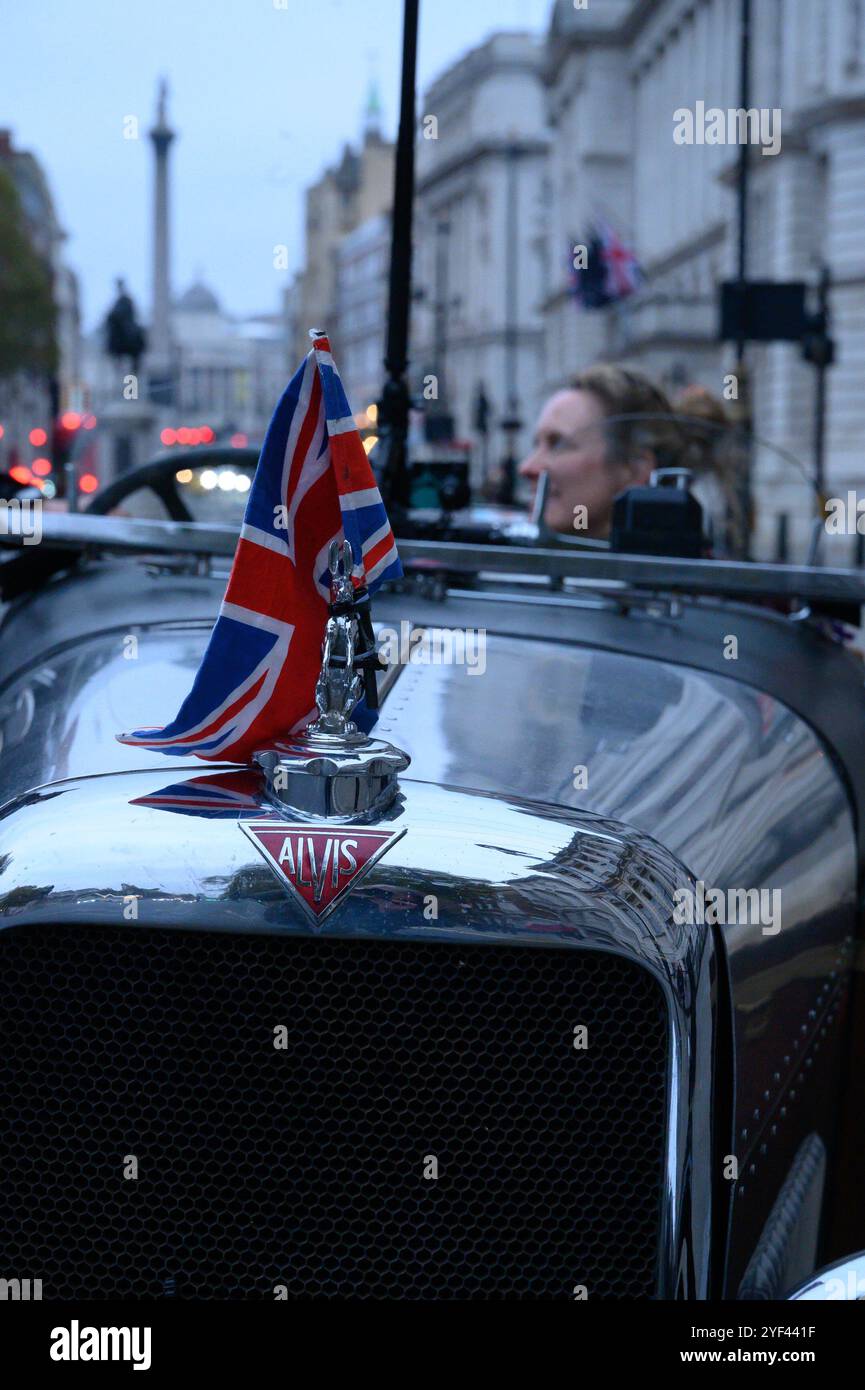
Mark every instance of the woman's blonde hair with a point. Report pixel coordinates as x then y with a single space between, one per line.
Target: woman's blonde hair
622 392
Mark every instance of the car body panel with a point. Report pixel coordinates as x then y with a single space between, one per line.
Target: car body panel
498 871
719 777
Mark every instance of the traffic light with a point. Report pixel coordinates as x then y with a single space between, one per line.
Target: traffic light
63 436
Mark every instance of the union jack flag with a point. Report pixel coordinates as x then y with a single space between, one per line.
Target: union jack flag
624 274
313 485
612 271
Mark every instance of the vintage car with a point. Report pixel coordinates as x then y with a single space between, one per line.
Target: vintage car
545 991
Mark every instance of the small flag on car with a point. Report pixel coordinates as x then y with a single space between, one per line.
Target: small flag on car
313 485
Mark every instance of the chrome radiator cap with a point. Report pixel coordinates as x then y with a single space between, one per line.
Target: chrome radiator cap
333 776
332 770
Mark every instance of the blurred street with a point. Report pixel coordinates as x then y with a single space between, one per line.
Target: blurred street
588 181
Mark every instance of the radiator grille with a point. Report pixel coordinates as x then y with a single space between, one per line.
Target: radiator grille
303 1166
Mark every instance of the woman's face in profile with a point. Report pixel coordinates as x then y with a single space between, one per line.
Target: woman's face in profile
570 445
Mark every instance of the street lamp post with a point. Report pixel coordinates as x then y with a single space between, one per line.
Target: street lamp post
443 228
393 409
742 375
511 424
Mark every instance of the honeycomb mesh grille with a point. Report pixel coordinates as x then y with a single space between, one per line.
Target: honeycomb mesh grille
303 1166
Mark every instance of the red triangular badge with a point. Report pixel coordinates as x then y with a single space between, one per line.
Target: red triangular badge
318 864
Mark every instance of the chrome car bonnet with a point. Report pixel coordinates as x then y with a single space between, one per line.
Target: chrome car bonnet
737 787
690 773
498 871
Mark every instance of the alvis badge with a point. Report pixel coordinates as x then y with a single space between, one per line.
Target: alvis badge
331 773
319 867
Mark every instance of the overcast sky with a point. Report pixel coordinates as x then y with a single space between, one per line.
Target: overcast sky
262 97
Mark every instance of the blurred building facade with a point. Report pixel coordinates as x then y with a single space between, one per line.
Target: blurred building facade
362 265
357 189
225 372
31 400
231 370
479 270
202 367
616 72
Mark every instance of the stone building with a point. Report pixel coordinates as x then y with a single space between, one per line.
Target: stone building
349 193
29 402
231 369
202 367
360 326
226 373
617 72
479 269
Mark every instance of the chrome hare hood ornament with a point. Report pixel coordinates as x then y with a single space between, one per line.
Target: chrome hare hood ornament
339 686
333 770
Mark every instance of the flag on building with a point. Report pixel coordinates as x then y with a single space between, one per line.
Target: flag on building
611 273
313 485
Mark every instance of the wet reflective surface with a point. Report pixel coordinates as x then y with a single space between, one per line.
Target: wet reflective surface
469 868
737 787
731 782
690 773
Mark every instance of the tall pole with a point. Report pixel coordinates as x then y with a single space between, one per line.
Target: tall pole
441 306
744 384
511 422
743 170
824 352
160 327
393 410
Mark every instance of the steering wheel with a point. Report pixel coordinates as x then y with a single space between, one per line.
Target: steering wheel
10 487
159 477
